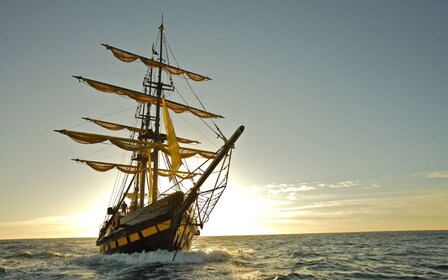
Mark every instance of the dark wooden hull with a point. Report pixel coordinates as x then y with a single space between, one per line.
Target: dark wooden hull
159 226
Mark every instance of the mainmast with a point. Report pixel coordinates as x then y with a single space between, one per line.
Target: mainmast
157 124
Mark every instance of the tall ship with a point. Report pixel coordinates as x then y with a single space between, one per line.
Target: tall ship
168 185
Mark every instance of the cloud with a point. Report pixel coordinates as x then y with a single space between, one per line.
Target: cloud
279 189
345 184
432 174
405 211
351 205
437 175
291 190
331 209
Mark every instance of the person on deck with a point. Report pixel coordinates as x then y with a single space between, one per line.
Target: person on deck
124 208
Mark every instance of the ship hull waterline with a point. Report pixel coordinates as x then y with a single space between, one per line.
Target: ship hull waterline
163 225
155 227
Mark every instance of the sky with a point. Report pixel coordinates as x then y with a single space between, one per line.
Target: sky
344 104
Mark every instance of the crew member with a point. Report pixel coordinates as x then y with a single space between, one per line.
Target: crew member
124 208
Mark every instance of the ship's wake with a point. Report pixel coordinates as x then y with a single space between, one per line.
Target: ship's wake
159 256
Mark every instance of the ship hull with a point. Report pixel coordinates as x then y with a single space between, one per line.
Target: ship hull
156 227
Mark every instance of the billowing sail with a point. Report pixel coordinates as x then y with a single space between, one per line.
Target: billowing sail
130 57
106 166
132 169
116 126
131 144
144 98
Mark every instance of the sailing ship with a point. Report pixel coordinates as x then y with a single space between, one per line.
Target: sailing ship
163 200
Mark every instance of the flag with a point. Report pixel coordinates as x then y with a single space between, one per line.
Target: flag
154 51
173 146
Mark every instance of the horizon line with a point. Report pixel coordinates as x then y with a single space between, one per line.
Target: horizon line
246 235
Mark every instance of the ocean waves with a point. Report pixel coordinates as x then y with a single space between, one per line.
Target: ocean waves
160 257
399 255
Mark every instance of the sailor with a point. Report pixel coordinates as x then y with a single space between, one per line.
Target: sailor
124 208
116 222
133 207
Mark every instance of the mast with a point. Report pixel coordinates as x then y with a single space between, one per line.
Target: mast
142 181
141 157
157 124
142 162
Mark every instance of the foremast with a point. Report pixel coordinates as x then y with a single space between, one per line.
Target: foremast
146 159
153 194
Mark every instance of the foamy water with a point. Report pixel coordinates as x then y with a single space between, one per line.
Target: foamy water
397 255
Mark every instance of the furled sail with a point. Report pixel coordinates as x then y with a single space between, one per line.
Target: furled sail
131 144
116 126
130 57
143 98
132 169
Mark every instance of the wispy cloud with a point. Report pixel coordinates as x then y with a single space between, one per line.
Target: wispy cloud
282 192
432 174
353 205
291 190
437 175
346 184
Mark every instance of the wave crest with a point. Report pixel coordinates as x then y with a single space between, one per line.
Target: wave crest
159 256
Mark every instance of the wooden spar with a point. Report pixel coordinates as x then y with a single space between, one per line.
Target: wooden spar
191 197
142 181
157 124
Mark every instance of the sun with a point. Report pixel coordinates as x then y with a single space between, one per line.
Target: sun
237 213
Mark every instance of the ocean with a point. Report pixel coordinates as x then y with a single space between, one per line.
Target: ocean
377 255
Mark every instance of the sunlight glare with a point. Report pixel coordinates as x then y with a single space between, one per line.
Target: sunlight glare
237 213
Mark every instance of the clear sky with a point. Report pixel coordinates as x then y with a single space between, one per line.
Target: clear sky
345 105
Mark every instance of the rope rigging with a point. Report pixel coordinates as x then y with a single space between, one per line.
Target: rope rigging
152 174
218 132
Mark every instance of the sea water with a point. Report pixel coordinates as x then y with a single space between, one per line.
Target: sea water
379 255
